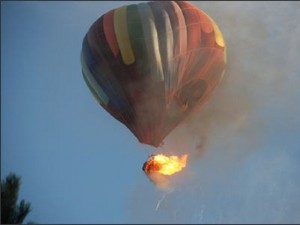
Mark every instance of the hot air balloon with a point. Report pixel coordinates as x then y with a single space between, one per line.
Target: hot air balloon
151 64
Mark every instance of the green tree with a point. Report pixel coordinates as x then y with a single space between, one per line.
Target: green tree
11 212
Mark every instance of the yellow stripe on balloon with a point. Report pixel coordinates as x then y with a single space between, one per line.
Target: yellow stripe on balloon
120 25
218 34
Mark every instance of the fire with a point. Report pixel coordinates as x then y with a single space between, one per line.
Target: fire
165 165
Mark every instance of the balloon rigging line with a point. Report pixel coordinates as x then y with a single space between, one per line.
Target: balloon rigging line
162 198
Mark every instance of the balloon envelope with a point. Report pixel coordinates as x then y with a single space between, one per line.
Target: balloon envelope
150 64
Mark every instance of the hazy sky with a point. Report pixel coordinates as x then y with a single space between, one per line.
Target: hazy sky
79 165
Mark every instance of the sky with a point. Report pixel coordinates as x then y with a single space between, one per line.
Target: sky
79 165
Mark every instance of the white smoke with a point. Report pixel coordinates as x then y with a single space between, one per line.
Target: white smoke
243 143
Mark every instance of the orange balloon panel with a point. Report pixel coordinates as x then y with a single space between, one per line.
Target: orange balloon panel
150 64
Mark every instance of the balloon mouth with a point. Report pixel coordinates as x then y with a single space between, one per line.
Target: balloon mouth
153 143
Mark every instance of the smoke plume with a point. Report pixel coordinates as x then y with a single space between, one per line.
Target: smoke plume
236 167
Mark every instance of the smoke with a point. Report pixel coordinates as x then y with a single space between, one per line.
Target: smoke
241 144
262 64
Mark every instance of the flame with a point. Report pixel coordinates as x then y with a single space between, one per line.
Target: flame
165 165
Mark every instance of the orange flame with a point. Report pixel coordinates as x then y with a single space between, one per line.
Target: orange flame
164 164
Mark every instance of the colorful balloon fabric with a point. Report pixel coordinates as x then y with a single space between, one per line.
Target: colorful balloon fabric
150 64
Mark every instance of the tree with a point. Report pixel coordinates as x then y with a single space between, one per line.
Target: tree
11 212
